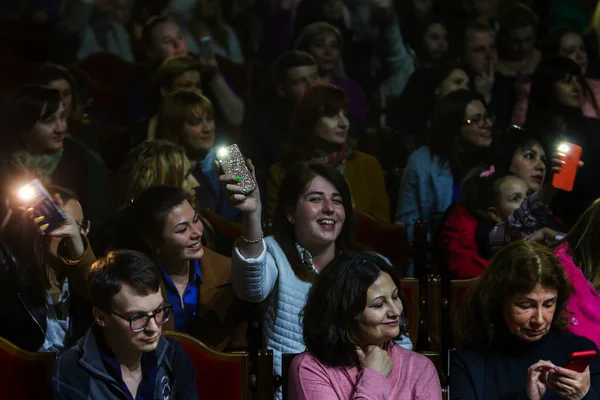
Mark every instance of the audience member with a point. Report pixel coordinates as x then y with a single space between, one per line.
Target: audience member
124 355
504 213
320 134
460 134
431 45
100 27
578 252
43 275
517 59
162 224
520 152
57 77
324 42
313 223
555 113
511 336
410 113
188 74
567 43
207 23
156 163
350 348
479 56
163 38
34 125
413 14
187 119
269 127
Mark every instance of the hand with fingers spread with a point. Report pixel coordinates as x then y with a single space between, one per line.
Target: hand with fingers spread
537 376
375 358
570 385
247 203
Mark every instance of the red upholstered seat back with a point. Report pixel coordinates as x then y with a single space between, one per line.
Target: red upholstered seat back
22 378
215 379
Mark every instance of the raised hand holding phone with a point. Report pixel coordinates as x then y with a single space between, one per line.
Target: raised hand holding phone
570 155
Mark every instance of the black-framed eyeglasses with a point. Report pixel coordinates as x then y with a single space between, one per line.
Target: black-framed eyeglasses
480 119
138 323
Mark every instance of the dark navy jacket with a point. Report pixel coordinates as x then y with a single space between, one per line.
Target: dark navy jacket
80 374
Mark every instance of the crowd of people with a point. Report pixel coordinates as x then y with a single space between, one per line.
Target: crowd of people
461 115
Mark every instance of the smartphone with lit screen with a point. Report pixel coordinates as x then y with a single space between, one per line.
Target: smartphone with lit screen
34 196
579 360
565 179
233 162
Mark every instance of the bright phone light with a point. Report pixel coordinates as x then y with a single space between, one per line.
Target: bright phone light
564 148
222 152
26 192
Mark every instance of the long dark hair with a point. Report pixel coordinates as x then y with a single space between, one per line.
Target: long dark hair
27 105
294 184
332 332
544 108
447 119
516 269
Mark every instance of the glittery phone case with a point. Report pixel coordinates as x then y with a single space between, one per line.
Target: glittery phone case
232 162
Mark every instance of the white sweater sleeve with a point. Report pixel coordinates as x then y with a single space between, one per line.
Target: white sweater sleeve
253 278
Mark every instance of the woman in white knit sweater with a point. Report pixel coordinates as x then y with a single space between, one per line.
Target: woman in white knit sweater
313 223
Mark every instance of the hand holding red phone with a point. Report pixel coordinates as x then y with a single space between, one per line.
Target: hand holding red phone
571 385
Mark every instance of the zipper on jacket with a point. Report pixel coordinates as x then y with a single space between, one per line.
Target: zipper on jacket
31 315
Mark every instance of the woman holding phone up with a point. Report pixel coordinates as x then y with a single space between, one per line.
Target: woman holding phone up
512 342
313 223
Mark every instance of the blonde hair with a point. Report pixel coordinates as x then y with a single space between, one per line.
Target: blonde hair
150 164
313 31
176 109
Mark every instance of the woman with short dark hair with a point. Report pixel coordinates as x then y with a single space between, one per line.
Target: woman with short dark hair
349 344
34 134
511 332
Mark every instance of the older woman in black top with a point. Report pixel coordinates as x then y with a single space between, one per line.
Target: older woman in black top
511 332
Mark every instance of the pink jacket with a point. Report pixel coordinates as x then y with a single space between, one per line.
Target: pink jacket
412 377
520 111
584 303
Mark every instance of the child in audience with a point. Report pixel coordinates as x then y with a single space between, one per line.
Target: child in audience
506 214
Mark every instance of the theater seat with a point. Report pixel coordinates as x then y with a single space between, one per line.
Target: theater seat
24 375
219 375
389 240
410 290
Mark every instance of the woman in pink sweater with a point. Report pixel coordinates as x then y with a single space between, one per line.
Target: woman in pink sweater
579 253
352 315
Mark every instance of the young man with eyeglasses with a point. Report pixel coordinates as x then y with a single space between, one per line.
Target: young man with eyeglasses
123 356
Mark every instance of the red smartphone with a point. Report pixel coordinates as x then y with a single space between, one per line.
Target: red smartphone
579 360
565 179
